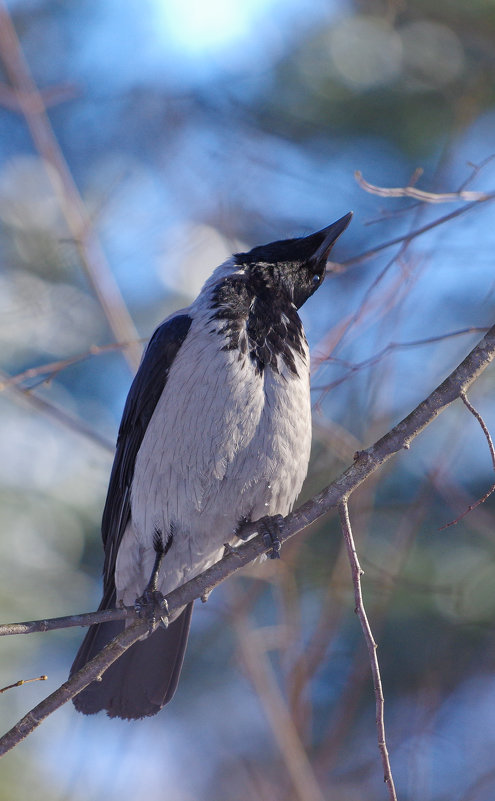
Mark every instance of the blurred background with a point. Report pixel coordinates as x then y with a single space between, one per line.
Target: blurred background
140 144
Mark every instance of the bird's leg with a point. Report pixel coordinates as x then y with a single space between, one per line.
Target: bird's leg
152 603
269 528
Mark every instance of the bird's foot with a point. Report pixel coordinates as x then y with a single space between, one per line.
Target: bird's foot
269 528
153 606
228 550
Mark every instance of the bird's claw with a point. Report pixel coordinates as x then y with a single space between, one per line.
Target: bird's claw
152 604
228 550
269 528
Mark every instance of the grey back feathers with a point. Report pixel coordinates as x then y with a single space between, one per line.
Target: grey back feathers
216 430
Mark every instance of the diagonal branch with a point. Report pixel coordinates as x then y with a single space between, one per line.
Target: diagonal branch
90 672
366 462
56 412
489 440
366 254
97 270
46 372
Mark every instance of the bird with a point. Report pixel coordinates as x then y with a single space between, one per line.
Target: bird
216 432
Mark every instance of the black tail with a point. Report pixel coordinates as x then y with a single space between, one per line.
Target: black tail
143 679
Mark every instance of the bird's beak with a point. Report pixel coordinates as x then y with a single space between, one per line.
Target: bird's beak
328 236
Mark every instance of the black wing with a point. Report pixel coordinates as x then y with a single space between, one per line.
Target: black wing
142 399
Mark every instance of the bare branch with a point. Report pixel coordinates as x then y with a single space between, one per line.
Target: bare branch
51 369
93 259
476 170
261 674
21 682
487 434
482 423
370 644
419 194
90 672
371 361
50 97
56 413
366 254
67 622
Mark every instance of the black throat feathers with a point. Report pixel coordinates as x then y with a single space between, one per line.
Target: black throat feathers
253 304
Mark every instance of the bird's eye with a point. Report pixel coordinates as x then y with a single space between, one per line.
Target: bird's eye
316 279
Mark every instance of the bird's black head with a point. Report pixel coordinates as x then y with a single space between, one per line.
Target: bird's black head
295 267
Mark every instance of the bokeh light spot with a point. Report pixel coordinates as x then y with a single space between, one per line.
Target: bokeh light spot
366 51
433 55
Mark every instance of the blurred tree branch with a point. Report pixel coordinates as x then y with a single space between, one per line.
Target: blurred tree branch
56 412
367 254
419 194
46 372
336 494
258 668
31 103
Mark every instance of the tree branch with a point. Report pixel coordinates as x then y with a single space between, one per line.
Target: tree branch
257 666
56 412
489 440
366 254
30 102
366 462
371 645
419 194
91 671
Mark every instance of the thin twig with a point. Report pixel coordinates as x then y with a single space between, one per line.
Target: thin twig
371 361
350 698
487 434
57 413
68 621
51 369
90 672
367 254
404 243
93 259
370 644
476 169
482 423
21 682
419 194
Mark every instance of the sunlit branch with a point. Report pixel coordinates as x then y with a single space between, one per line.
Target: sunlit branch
419 194
21 682
367 254
51 96
72 207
